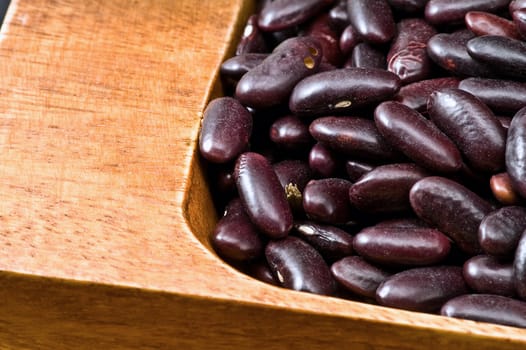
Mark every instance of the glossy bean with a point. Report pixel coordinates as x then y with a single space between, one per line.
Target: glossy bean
323 161
372 19
328 37
282 14
290 133
235 67
358 276
338 16
415 95
486 274
502 96
423 289
484 23
451 208
340 90
519 267
331 242
487 308
417 137
366 56
519 19
326 200
261 271
356 169
503 190
385 189
388 245
500 231
252 39
262 195
407 223
225 130
515 155
516 5
293 176
441 12
471 125
297 265
348 40
408 6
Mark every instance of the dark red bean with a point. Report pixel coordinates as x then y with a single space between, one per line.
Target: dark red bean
356 169
290 133
385 189
415 95
252 40
407 223
358 276
282 14
328 37
235 67
516 5
352 136
298 266
519 267
440 12
484 23
417 137
423 289
348 40
235 237
506 55
487 308
451 208
401 245
331 242
340 90
262 195
261 271
515 155
372 19
408 57
338 16
366 56
486 274
326 200
225 130
323 161
471 125
408 6
500 231
503 190
271 82
293 173
519 19
502 96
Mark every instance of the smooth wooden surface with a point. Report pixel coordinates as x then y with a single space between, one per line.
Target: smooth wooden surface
104 211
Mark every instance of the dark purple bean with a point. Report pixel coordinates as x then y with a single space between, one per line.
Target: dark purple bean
415 95
323 161
340 90
298 266
519 19
352 136
222 178
504 96
484 23
503 190
500 231
440 12
423 289
331 242
327 37
487 308
289 132
270 83
401 245
505 121
452 208
235 237
407 223
261 271
262 195
506 55
225 130
348 40
408 6
385 189
372 19
326 200
486 274
515 155
282 14
408 57
235 67
293 173
358 276
417 137
519 267
471 125
516 5
366 56
356 169
252 40
338 16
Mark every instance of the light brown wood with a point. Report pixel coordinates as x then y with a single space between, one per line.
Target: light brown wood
104 211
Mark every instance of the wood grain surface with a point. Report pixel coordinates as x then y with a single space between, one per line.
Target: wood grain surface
104 208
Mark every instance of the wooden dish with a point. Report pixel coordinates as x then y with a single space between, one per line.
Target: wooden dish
105 211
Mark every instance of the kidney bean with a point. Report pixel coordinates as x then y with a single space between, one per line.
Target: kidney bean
422 289
326 200
366 56
293 173
356 169
471 125
401 245
500 231
298 266
338 16
516 5
415 95
331 242
408 57
417 137
504 96
353 136
348 40
225 130
503 190
515 155
261 271
271 82
235 67
408 223
441 12
486 274
323 161
408 6
484 23
519 267
340 90
358 276
290 133
372 19
519 19
385 189
235 237
487 308
262 195
283 14
506 55
451 208
328 37
252 40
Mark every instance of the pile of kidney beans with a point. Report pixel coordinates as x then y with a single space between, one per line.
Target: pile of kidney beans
376 150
